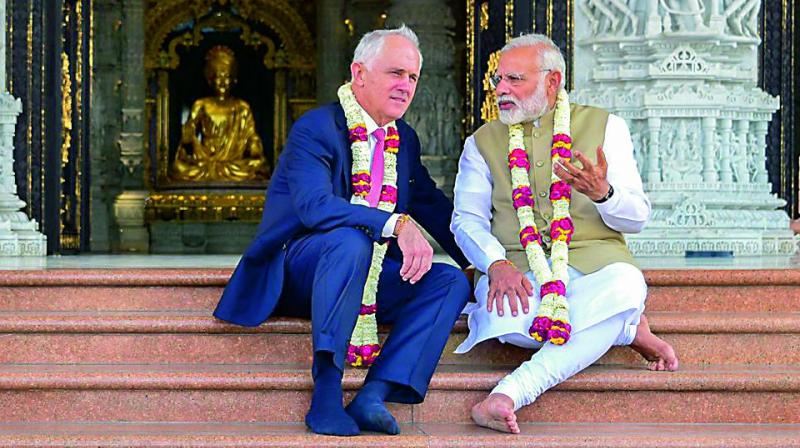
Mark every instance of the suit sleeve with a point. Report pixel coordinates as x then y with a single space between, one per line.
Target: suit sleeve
310 161
429 206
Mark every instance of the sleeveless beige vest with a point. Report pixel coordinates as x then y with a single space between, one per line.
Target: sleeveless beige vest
594 245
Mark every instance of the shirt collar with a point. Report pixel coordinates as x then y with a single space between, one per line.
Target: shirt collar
369 122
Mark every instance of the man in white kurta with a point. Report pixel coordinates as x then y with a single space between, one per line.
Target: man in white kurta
606 292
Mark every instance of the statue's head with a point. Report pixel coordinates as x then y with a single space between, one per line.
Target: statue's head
529 76
220 69
385 70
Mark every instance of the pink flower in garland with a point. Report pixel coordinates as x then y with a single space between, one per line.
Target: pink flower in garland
361 183
560 190
559 332
362 355
392 141
358 134
518 158
564 138
529 235
562 145
540 328
553 287
389 194
368 309
562 230
522 196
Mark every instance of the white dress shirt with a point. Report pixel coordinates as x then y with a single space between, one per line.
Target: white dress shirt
388 228
626 211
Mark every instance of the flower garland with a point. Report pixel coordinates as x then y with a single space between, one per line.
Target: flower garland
364 345
552 320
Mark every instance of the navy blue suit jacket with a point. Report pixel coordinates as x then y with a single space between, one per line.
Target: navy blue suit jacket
310 192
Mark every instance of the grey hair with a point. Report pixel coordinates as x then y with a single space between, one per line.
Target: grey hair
371 44
549 58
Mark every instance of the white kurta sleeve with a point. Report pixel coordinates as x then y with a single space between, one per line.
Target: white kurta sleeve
628 209
472 213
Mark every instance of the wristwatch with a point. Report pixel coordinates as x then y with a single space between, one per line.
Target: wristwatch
607 196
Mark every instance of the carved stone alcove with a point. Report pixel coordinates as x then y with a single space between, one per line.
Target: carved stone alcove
189 210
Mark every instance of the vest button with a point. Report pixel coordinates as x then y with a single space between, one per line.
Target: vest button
546 239
536 134
542 194
539 163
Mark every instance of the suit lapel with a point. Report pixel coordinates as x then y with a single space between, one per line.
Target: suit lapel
403 184
343 145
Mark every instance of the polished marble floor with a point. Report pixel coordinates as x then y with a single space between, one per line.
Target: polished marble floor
124 261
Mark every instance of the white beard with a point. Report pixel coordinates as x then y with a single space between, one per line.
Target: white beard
529 109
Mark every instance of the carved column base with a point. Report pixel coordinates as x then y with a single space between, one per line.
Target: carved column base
752 228
129 212
19 235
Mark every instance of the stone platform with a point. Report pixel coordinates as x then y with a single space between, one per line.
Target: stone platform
123 351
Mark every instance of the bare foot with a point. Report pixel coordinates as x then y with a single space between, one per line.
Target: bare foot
655 350
496 412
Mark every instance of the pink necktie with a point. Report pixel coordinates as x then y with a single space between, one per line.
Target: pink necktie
376 172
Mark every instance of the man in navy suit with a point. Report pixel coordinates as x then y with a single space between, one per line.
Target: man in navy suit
313 248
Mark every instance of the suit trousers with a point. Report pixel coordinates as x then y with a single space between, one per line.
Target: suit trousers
324 280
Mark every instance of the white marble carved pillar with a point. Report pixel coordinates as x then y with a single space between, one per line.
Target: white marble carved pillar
19 235
685 77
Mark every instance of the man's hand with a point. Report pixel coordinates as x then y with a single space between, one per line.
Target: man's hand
417 252
506 280
589 180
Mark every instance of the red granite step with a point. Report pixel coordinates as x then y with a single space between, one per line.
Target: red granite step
619 435
253 393
200 289
196 337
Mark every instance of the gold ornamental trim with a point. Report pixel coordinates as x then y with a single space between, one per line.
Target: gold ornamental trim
489 108
162 18
243 207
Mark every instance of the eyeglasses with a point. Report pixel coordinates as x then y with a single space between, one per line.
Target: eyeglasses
514 79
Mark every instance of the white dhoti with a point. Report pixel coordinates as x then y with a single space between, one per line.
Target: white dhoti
605 307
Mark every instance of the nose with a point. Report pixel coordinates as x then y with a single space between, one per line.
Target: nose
404 84
502 88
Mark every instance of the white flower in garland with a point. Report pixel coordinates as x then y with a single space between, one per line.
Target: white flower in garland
364 344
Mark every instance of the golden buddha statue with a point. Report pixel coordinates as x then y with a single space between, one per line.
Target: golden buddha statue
219 141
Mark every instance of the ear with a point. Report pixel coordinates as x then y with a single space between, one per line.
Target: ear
553 82
357 71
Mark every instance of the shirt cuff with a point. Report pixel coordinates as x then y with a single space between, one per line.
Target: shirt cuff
491 256
388 228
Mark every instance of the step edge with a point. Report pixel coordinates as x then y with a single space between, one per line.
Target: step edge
220 276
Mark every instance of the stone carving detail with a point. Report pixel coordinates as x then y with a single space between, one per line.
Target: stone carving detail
690 213
686 83
712 17
684 60
436 112
610 17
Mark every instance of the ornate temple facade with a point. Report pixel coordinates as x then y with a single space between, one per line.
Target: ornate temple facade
153 126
